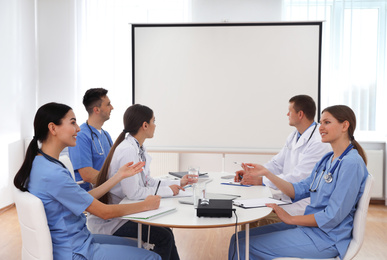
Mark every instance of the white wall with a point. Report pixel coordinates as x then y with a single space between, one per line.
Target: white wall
205 11
37 65
18 77
56 37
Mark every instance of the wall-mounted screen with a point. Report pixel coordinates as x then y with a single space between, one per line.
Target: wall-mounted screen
224 86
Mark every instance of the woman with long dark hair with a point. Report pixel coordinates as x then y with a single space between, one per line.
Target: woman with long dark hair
334 187
139 125
44 176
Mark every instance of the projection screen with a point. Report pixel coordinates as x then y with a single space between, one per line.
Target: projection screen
224 87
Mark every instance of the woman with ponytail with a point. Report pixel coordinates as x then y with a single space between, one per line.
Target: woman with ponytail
334 187
139 125
44 176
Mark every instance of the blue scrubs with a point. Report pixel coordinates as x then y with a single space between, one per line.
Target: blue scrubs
89 153
333 205
64 202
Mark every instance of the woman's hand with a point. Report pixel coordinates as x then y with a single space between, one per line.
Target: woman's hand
176 189
128 170
152 202
187 180
281 213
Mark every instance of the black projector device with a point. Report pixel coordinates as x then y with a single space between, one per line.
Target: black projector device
215 208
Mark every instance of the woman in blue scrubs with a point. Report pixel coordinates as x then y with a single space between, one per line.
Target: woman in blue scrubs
334 187
43 175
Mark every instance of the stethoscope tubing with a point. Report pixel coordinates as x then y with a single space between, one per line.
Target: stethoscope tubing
328 177
100 144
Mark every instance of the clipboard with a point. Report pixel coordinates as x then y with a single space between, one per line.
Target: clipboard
258 203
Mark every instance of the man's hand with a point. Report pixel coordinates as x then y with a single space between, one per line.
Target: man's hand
176 189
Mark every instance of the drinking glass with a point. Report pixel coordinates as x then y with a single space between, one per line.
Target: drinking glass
193 173
199 191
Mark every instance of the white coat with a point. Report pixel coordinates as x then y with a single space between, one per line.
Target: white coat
137 187
295 162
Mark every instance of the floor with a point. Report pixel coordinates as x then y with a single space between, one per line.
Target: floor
209 244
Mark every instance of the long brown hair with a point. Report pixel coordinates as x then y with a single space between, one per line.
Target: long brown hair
134 117
344 113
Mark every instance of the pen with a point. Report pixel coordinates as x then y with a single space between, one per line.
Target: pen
240 164
158 185
187 186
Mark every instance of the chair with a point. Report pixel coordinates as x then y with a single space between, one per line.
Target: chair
36 237
359 224
65 159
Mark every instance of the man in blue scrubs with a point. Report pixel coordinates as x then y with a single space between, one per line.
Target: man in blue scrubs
93 143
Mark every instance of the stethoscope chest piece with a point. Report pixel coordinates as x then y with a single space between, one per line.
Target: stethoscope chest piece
328 178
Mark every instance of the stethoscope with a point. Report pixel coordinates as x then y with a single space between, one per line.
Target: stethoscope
314 129
328 177
51 159
92 138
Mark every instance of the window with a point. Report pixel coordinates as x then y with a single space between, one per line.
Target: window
353 58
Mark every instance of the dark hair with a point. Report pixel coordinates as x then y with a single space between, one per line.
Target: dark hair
48 113
93 98
344 113
134 117
305 104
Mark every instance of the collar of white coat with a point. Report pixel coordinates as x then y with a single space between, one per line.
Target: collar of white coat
304 137
134 142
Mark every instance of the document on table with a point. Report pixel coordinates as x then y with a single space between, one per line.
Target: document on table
150 213
256 203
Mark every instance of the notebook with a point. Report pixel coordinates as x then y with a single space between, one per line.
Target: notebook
181 174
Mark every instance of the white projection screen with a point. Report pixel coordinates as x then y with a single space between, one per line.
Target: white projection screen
224 87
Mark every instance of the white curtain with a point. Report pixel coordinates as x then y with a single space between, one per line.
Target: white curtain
104 47
353 57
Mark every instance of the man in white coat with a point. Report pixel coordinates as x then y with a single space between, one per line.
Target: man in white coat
302 150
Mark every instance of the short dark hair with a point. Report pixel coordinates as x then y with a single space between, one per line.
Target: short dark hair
305 104
93 98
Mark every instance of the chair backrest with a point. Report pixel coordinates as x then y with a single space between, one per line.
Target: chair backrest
359 221
36 237
65 159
